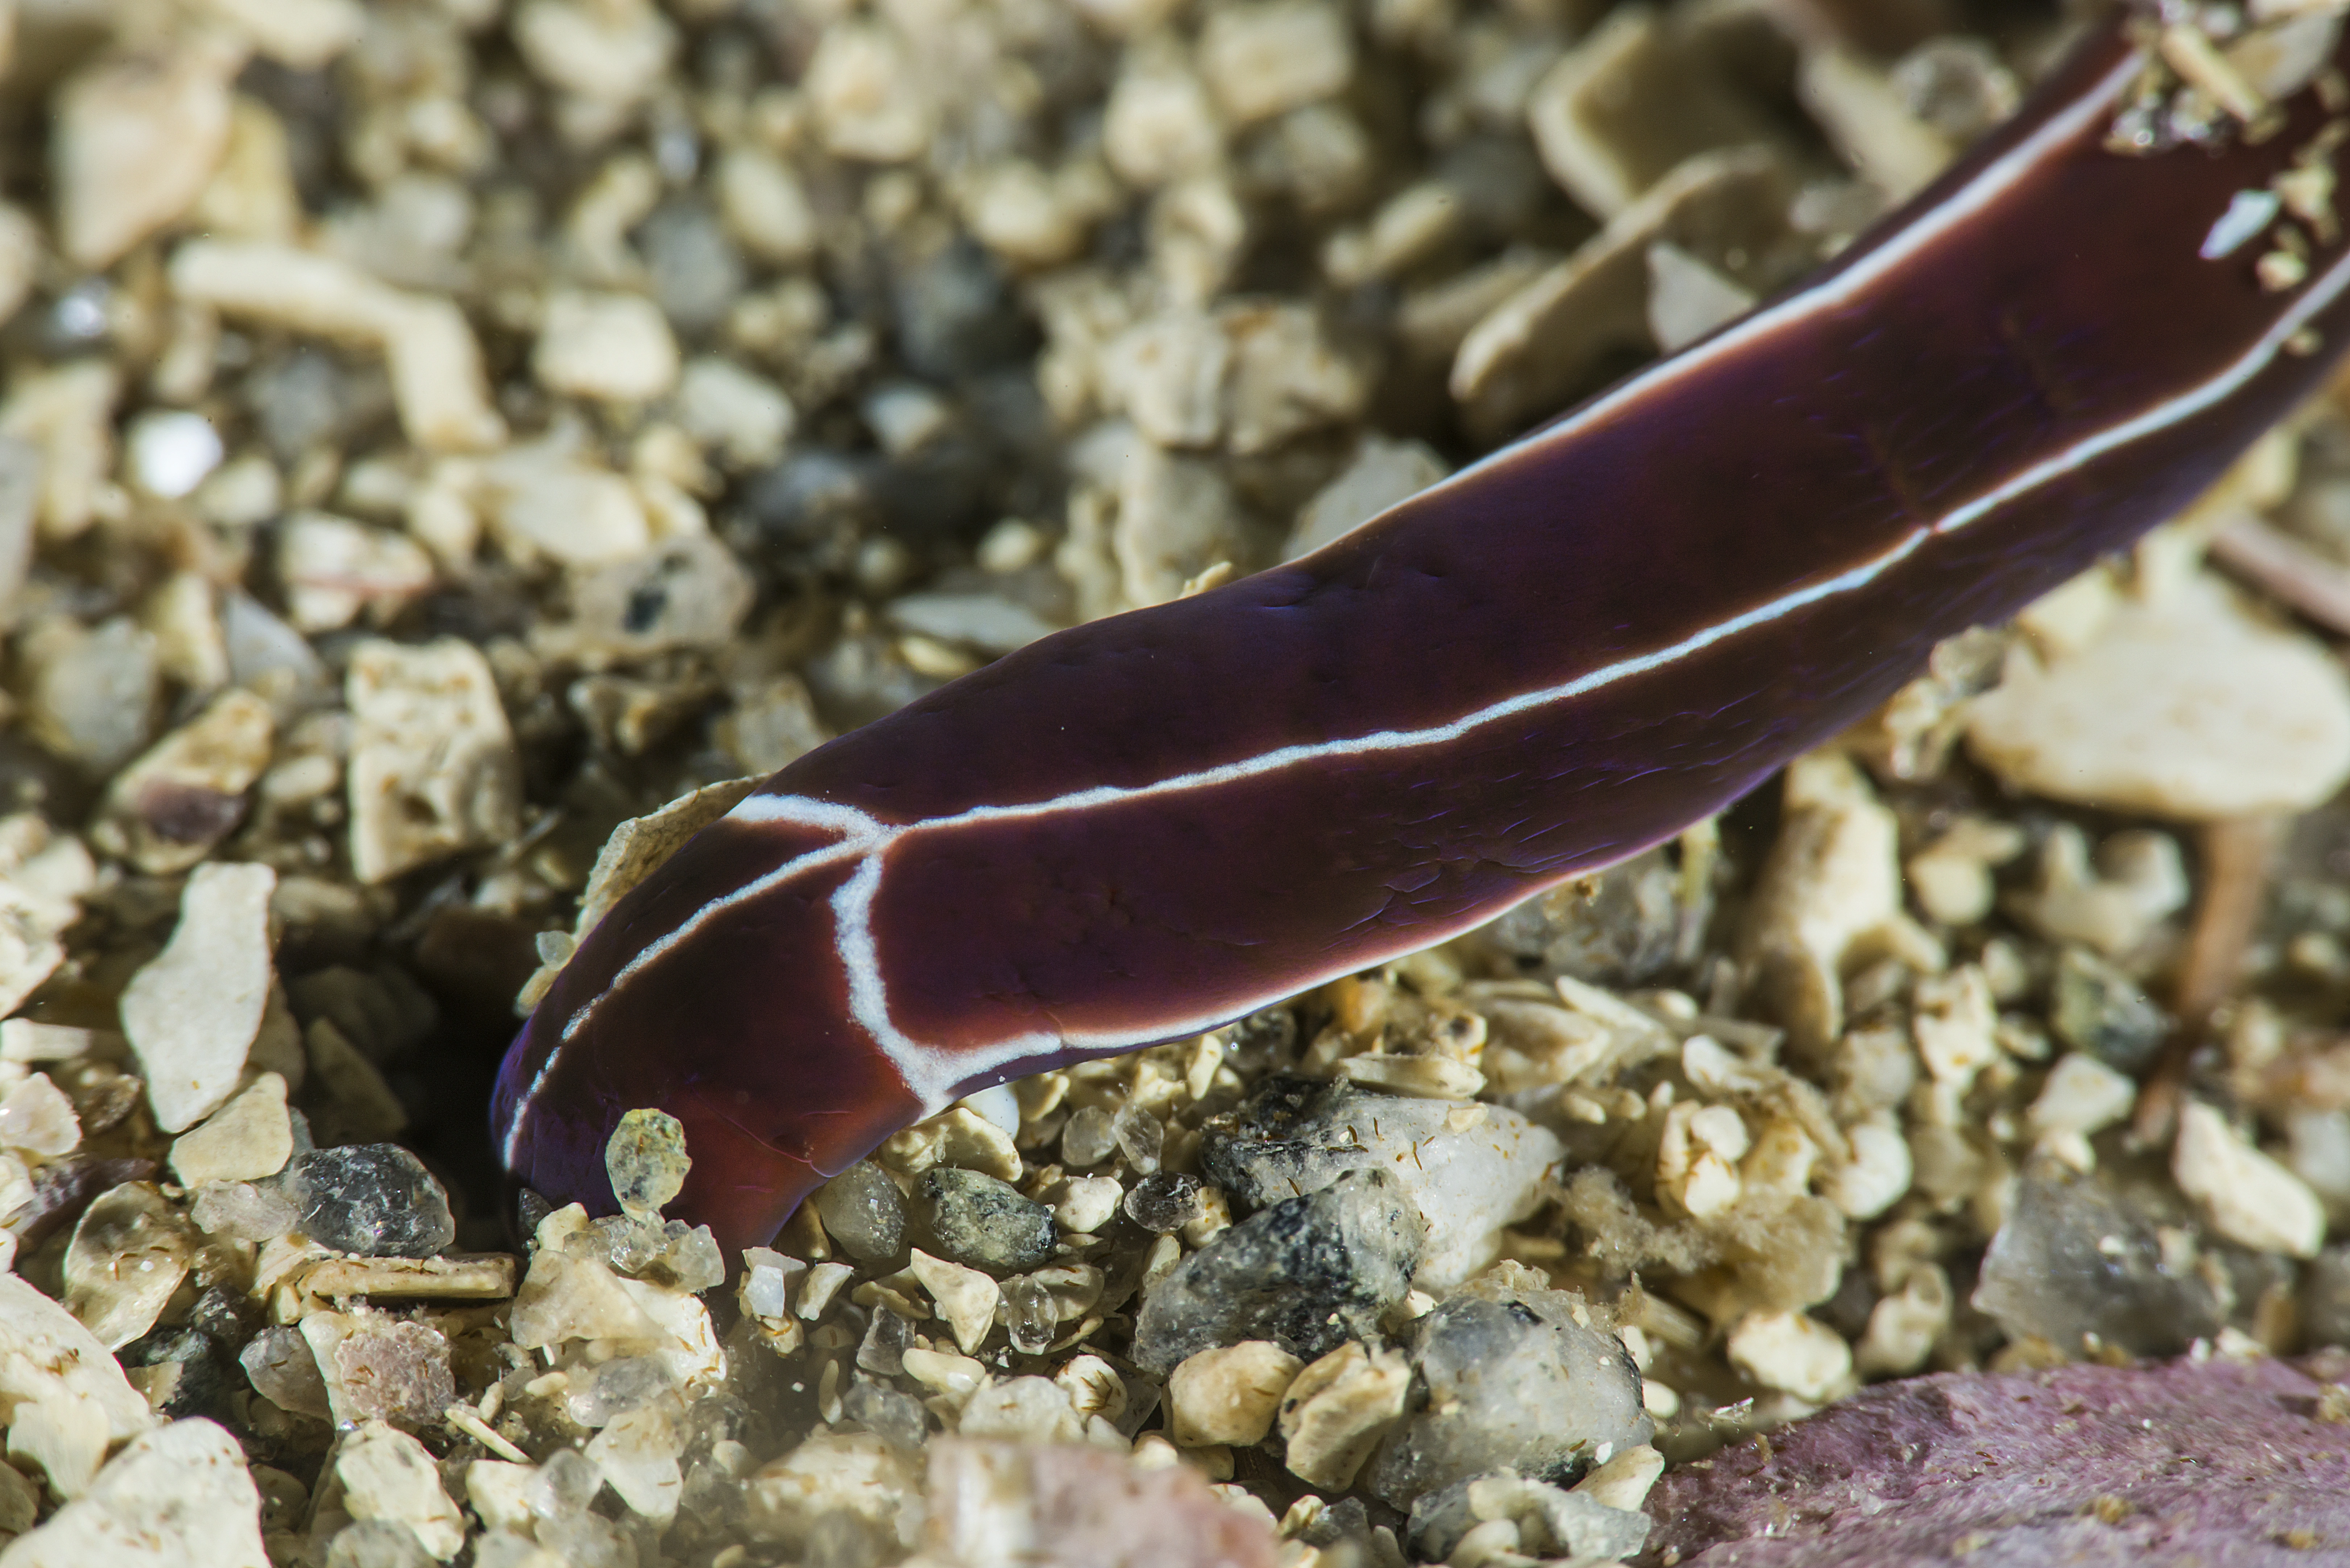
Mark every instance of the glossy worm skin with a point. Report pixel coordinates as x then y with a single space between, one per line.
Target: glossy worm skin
1149 826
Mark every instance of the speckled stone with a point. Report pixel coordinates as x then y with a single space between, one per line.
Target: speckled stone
982 1222
1466 1171
1305 1274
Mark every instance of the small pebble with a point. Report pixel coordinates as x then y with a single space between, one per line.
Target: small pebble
966 1298
131 1250
1088 1203
93 690
2081 1095
613 347
1088 1138
863 1210
174 805
39 1120
381 1368
1793 1352
433 768
1304 1274
277 1362
1514 1378
1382 474
171 452
545 500
1140 1136
2075 1257
1228 1394
638 1453
1030 1315
767 1277
1337 1409
2099 1010
136 139
332 568
2250 1199
388 1475
1468 1175
745 418
1262 60
986 1223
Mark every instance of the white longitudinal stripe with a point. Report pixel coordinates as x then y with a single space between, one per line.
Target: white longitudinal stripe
2315 298
933 1075
868 839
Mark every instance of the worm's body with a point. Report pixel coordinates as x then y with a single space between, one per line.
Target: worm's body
1147 826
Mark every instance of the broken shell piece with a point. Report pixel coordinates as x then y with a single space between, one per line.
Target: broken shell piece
136 139
433 768
332 568
1829 896
192 1013
438 382
180 1494
2186 709
69 1400
1541 345
1627 104
1793 1352
2252 1199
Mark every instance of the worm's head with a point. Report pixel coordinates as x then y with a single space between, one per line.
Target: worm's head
725 1007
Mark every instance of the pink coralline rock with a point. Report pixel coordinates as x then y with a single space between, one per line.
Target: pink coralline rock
2223 1464
997 1505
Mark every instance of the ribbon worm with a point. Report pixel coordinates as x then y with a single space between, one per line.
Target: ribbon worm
1146 826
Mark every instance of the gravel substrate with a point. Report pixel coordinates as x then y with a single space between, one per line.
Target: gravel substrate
435 434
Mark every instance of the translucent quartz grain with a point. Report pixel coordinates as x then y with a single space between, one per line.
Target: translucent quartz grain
1029 1316
1088 1138
566 1484
2077 1256
376 1200
1140 1136
646 1158
628 1382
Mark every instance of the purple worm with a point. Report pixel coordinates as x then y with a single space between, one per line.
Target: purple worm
1146 826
